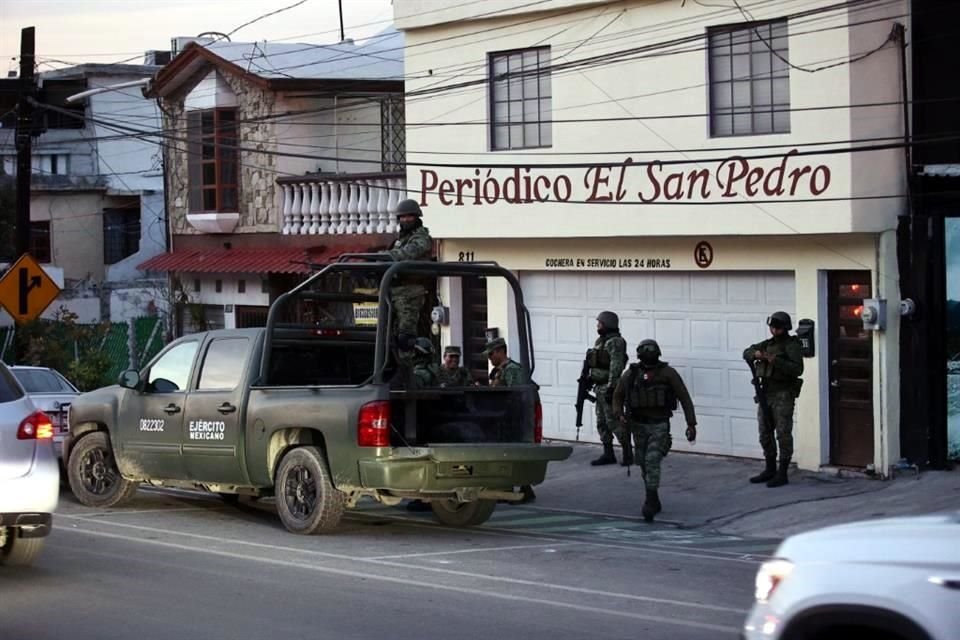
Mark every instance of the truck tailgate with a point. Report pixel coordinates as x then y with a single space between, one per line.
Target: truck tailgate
449 467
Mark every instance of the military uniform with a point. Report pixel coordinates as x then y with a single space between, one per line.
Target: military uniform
408 295
508 374
781 383
647 395
457 376
426 375
607 361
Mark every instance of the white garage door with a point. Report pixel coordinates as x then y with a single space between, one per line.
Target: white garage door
703 322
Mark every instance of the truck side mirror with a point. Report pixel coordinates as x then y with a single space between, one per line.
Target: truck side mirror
129 379
806 330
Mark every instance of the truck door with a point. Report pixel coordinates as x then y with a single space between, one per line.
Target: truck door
213 420
151 419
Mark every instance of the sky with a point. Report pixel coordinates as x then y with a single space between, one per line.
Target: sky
78 31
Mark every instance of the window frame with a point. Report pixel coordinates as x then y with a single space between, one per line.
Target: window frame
223 138
121 233
40 228
241 370
544 127
757 44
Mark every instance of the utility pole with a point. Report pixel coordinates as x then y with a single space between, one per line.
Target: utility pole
340 6
24 141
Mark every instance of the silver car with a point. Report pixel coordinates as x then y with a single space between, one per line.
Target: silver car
29 476
51 393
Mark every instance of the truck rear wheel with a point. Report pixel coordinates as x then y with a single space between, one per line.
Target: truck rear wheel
94 477
307 501
463 514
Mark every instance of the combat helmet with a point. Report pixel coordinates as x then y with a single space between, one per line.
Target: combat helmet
610 320
780 320
409 207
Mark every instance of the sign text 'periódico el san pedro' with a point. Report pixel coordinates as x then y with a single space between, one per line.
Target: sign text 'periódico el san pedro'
629 181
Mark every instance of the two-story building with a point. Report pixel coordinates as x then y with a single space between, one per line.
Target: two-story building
691 166
96 205
280 157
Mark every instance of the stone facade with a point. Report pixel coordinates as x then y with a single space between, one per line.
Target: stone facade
259 197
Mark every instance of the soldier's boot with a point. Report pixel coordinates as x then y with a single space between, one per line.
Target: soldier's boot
768 473
627 454
606 458
651 506
780 478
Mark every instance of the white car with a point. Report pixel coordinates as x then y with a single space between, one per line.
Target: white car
52 393
29 478
894 579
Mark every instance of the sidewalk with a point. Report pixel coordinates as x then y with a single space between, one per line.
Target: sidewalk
702 491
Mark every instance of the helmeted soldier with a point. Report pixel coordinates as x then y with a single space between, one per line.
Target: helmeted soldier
644 401
778 365
408 293
451 373
426 372
607 359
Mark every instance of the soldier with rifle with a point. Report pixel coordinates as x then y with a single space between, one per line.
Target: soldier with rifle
606 361
776 364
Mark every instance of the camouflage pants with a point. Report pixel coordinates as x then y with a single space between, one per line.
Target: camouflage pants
407 306
650 445
608 425
781 407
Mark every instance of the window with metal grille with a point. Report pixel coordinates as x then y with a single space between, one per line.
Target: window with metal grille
520 99
393 142
212 160
121 234
40 240
749 79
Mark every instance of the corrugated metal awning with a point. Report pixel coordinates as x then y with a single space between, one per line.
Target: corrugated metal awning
249 260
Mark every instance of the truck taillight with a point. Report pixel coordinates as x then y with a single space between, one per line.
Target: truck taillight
36 426
374 424
538 422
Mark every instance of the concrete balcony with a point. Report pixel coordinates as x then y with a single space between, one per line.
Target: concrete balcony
341 204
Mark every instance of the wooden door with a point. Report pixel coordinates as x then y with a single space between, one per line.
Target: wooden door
851 370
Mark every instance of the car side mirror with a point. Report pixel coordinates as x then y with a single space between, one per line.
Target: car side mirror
129 379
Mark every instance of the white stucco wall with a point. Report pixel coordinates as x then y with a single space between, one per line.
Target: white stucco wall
651 88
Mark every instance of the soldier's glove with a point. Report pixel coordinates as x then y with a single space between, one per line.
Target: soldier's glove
691 433
608 395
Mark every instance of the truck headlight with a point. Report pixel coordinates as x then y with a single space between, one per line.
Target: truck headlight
770 575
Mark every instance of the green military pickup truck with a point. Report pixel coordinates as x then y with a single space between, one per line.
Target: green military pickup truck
317 410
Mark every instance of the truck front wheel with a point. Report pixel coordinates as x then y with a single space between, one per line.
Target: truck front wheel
94 477
307 501
463 514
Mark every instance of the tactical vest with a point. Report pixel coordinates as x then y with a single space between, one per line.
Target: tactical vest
649 389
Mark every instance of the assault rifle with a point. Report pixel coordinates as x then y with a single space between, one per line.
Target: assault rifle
761 397
584 384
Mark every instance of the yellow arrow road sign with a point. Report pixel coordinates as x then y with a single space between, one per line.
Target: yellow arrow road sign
26 289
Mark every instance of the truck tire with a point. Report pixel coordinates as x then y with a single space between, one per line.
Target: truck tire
20 552
463 514
307 501
94 477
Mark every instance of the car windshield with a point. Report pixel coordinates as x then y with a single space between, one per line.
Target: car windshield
43 381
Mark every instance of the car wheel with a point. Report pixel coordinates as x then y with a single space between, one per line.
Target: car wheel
307 501
20 552
94 477
463 514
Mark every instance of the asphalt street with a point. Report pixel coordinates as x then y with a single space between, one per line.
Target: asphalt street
181 565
